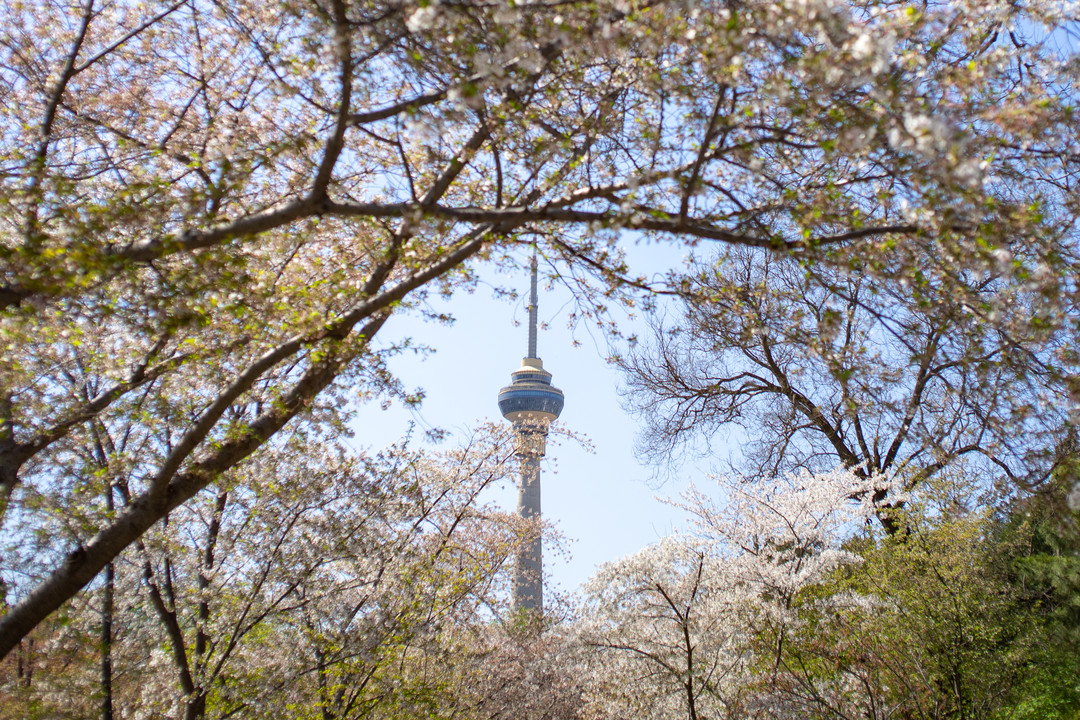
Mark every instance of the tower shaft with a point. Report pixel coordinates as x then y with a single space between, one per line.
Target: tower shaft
528 588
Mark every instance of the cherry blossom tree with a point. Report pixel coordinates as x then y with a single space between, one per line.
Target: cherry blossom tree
696 625
514 671
663 647
301 583
210 210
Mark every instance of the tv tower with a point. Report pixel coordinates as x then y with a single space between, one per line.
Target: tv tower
531 402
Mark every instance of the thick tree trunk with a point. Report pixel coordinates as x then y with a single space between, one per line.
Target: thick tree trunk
107 628
8 469
107 643
195 709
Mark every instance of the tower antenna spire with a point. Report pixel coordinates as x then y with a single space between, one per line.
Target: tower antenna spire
532 310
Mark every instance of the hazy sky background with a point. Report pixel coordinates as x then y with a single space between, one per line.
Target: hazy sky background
605 502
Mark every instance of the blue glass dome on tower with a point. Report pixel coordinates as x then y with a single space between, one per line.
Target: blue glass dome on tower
530 397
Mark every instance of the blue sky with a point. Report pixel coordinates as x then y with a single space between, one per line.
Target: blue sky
605 502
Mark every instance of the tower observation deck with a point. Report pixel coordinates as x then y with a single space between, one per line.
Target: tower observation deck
530 402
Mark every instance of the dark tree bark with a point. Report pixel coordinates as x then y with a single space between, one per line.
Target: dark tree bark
107 609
